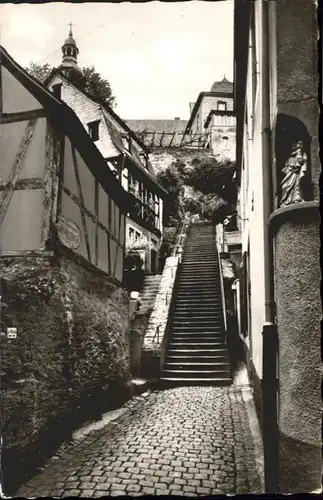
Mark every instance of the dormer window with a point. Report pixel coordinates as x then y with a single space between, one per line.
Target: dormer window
126 141
57 90
94 130
221 106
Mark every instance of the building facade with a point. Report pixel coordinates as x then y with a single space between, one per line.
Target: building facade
213 115
53 187
278 172
124 153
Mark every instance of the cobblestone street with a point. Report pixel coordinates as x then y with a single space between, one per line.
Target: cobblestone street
188 441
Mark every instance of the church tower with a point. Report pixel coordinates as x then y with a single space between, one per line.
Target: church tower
70 52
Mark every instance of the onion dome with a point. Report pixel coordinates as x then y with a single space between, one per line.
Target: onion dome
224 86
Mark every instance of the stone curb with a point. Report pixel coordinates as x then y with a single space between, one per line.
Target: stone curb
136 386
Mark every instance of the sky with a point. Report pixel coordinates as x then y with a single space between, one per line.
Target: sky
157 56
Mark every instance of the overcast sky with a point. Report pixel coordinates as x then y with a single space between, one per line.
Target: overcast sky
157 56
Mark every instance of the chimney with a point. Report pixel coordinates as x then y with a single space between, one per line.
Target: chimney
177 118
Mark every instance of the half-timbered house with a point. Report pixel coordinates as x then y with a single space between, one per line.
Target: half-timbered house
125 155
54 184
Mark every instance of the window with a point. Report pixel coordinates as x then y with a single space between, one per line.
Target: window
131 234
221 106
225 140
57 90
94 130
138 236
126 139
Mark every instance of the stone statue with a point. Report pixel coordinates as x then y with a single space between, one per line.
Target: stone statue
295 170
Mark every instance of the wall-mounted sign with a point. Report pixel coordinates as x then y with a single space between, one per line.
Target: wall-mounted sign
11 333
68 233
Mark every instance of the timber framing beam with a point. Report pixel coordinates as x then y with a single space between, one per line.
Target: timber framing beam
22 116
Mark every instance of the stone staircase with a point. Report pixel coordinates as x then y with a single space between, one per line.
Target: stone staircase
148 293
196 351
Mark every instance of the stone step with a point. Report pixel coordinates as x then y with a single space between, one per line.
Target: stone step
203 246
197 254
204 263
216 335
191 307
199 322
197 373
197 273
180 327
204 270
188 340
202 286
192 381
188 315
188 351
196 359
196 298
216 316
195 320
188 291
195 365
189 312
196 345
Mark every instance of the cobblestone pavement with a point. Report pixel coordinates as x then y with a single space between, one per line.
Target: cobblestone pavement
187 441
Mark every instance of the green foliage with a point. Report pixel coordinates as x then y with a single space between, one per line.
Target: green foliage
93 83
39 71
214 191
90 81
99 345
171 180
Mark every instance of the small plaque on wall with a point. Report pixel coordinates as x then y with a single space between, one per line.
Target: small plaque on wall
68 233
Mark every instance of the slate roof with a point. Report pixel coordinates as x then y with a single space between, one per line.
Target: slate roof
116 134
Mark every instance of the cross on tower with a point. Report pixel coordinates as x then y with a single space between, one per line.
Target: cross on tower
70 25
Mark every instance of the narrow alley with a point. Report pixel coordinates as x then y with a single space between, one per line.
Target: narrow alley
187 441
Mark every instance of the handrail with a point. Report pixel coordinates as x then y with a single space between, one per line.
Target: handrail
224 310
179 237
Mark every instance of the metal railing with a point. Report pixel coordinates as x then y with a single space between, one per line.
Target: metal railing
181 238
176 251
224 309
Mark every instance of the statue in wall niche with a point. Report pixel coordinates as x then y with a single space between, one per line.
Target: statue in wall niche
295 175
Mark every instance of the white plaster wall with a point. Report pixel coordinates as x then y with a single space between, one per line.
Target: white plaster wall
206 105
223 148
252 197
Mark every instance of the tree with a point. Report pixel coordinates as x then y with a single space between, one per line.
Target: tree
90 81
172 182
39 71
210 189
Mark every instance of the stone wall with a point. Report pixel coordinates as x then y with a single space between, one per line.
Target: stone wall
72 326
154 345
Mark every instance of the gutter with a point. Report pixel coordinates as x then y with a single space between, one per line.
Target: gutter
270 338
267 168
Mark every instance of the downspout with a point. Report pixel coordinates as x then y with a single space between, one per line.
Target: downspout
270 343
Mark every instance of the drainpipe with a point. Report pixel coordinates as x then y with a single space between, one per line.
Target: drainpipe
270 342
